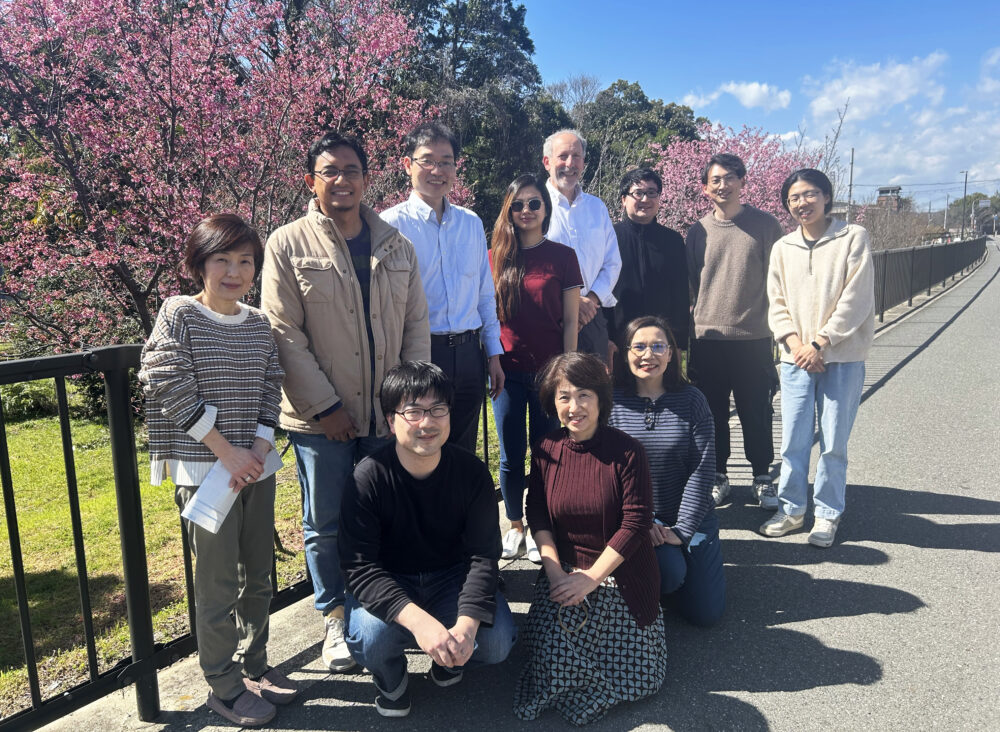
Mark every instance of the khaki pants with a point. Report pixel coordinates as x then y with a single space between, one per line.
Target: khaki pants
232 587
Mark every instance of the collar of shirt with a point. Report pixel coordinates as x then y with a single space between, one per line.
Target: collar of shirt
557 196
422 209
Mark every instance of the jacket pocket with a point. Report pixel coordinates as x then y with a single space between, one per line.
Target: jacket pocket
315 276
397 275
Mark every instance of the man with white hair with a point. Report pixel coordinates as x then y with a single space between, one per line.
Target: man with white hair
581 221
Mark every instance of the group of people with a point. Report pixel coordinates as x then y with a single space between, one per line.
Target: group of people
377 341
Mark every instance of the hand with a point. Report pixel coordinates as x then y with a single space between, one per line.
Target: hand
588 308
261 448
808 358
660 534
497 376
437 642
573 588
339 426
243 465
464 635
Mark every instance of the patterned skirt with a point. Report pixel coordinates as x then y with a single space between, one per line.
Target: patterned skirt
584 671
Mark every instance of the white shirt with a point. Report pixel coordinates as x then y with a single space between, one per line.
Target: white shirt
454 268
586 226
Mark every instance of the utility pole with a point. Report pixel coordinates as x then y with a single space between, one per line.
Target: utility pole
928 213
850 188
947 202
965 200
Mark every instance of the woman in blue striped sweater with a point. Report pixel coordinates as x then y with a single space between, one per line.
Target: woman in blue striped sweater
654 404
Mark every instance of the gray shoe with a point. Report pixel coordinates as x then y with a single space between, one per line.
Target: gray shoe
781 523
766 492
720 491
823 532
273 686
336 656
248 710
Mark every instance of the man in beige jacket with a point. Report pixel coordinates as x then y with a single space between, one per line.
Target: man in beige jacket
342 289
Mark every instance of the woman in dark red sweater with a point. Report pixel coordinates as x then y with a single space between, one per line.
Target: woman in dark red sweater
595 629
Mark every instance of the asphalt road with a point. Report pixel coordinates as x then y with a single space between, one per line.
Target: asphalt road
893 628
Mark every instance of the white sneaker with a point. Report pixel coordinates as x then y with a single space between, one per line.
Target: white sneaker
720 491
766 492
531 549
336 656
823 532
512 542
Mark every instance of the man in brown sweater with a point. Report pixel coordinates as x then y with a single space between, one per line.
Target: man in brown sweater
728 253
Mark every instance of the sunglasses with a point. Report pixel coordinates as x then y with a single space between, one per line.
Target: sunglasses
533 205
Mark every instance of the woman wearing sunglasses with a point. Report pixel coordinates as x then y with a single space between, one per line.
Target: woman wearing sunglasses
538 298
655 405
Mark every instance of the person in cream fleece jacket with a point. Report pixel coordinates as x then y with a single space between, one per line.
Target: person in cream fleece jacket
822 312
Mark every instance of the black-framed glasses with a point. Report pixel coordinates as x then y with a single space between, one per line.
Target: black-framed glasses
534 204
332 173
416 414
658 348
428 164
808 196
651 193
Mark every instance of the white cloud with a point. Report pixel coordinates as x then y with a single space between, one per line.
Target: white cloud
748 93
989 72
875 88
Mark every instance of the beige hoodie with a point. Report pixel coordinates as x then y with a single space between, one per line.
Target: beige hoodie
824 290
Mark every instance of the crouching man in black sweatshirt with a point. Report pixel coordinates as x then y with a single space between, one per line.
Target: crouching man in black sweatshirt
419 542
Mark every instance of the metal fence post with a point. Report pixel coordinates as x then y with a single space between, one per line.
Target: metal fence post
909 287
130 524
885 271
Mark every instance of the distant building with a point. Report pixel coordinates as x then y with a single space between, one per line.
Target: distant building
889 197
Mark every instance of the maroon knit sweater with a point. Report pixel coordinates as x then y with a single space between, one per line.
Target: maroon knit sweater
595 494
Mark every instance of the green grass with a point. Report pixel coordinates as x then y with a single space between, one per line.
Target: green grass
41 502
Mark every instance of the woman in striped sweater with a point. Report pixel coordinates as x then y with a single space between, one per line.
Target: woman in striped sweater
655 405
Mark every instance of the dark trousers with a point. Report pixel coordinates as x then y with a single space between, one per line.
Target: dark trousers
746 370
465 365
593 337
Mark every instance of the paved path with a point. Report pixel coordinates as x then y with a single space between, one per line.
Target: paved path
893 628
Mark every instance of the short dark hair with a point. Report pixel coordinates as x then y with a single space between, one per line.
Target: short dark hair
428 132
582 370
331 140
673 379
219 233
411 380
808 175
639 175
730 162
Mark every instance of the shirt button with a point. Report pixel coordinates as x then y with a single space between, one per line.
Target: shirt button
352 312
379 357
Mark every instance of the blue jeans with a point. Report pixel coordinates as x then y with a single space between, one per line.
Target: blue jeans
324 466
693 575
518 398
833 396
379 646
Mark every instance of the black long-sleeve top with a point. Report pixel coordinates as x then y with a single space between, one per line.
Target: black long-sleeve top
393 523
653 280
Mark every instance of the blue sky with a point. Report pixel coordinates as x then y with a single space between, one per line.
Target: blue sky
923 79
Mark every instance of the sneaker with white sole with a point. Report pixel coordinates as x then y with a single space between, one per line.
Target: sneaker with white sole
720 491
512 542
766 492
395 703
336 655
246 710
531 549
444 676
781 523
823 532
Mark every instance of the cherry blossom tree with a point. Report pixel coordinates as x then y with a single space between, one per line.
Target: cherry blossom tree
123 122
768 163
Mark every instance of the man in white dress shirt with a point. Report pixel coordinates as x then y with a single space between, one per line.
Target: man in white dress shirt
450 242
581 221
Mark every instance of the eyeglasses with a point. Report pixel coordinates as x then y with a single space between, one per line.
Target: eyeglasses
533 205
641 194
428 164
332 173
657 348
808 196
416 414
728 179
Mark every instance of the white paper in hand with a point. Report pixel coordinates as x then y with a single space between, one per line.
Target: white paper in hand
211 502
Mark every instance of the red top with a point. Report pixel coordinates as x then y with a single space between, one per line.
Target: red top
595 494
534 334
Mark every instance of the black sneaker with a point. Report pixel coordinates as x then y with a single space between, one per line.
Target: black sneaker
444 676
395 703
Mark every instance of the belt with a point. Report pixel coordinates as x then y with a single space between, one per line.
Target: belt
455 339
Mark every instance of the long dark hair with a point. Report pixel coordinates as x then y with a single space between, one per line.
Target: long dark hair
673 379
508 264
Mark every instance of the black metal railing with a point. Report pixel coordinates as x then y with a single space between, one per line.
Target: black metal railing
115 364
902 273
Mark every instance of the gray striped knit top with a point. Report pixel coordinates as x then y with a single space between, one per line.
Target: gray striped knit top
201 369
679 436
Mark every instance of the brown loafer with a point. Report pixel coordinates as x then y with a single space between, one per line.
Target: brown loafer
273 686
249 710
